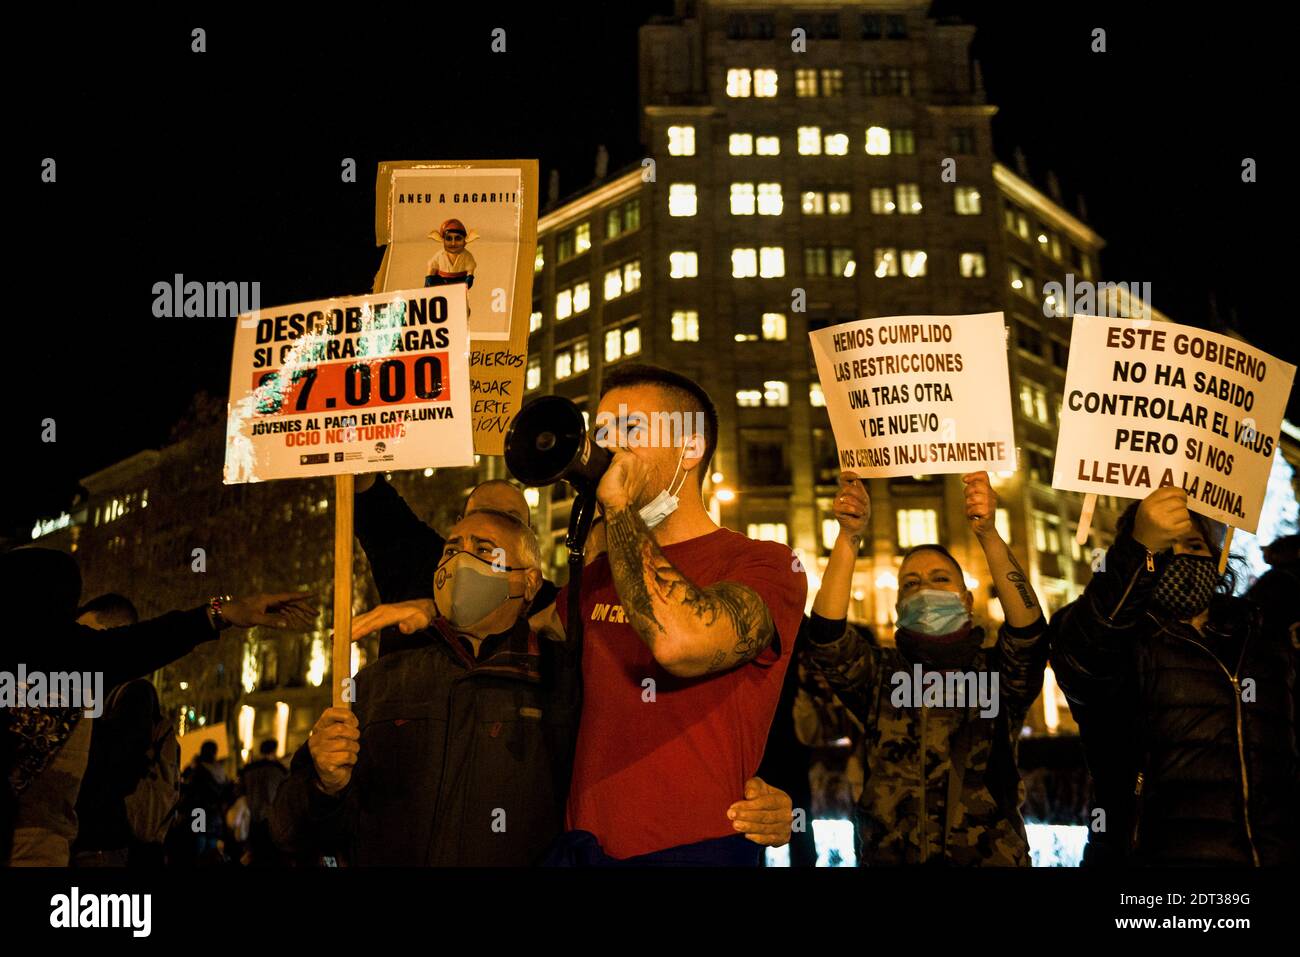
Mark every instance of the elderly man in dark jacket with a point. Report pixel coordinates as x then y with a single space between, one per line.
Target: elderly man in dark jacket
1183 699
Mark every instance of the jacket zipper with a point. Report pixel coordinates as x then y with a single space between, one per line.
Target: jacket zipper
1150 566
1241 739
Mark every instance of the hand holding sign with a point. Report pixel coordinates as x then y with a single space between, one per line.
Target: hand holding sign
981 503
1162 519
852 506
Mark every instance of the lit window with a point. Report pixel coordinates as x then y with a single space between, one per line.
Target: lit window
631 340
842 263
776 393
837 144
683 265
539 260
917 526
613 284
966 200
771 262
1020 280
563 364
581 297
581 358
805 83
535 321
563 304
681 140
533 377
765 83
632 276
812 203
886 261
914 262
740 144
882 201
769 199
909 198
1033 402
816 397
830 533
904 142
749 398
773 325
769 532
744 263
832 82
742 199
838 204
810 140
768 145
686 325
877 141
972 265
681 199
613 345
1002 521
738 82
582 238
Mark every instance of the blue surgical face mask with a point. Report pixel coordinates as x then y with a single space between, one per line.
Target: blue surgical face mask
933 612
665 503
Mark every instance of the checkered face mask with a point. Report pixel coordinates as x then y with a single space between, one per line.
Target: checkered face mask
1186 586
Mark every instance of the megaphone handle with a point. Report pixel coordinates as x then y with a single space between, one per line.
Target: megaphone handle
580 519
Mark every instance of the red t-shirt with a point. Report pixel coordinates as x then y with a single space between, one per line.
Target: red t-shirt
654 774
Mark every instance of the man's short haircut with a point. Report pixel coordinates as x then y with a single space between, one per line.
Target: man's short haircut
207 750
930 547
680 389
112 610
524 536
496 481
269 746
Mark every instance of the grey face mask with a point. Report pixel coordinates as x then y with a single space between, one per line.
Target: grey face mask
466 589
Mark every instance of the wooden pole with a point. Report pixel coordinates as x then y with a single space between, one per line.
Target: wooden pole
1085 517
1223 555
342 652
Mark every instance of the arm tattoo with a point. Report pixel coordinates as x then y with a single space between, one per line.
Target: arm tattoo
1017 578
642 575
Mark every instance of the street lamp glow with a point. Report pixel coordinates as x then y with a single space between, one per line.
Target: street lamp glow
726 495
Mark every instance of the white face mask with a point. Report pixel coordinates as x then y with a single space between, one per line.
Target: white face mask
664 504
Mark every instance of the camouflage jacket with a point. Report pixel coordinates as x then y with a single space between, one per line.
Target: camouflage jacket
942 785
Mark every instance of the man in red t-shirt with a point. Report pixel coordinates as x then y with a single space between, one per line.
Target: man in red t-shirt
688 631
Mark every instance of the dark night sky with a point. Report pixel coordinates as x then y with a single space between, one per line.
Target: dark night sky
225 166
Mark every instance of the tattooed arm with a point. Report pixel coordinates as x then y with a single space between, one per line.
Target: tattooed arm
1019 603
691 631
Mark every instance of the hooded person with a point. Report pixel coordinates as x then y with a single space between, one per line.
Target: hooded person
1184 699
944 707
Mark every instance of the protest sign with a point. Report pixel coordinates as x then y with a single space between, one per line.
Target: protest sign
470 224
1153 404
913 395
355 384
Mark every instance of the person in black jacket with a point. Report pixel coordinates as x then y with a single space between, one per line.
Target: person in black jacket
1184 701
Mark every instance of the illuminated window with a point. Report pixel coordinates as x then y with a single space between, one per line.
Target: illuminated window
972 265
744 263
904 142
909 199
882 200
810 140
1047 533
914 262
581 239
564 364
686 325
917 526
776 393
683 265
681 140
773 326
632 276
765 83
877 141
681 199
623 218
581 297
842 261
816 398
812 203
886 262
535 321
539 260
563 304
749 398
1020 279
613 345
742 199
832 82
739 83
631 340
771 262
1033 402
769 532
768 145
961 140
581 357
769 199
805 83
740 144
966 200
837 144
613 284
838 204
1002 520
533 377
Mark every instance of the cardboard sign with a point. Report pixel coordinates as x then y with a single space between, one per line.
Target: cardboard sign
918 395
471 224
355 384
1154 404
